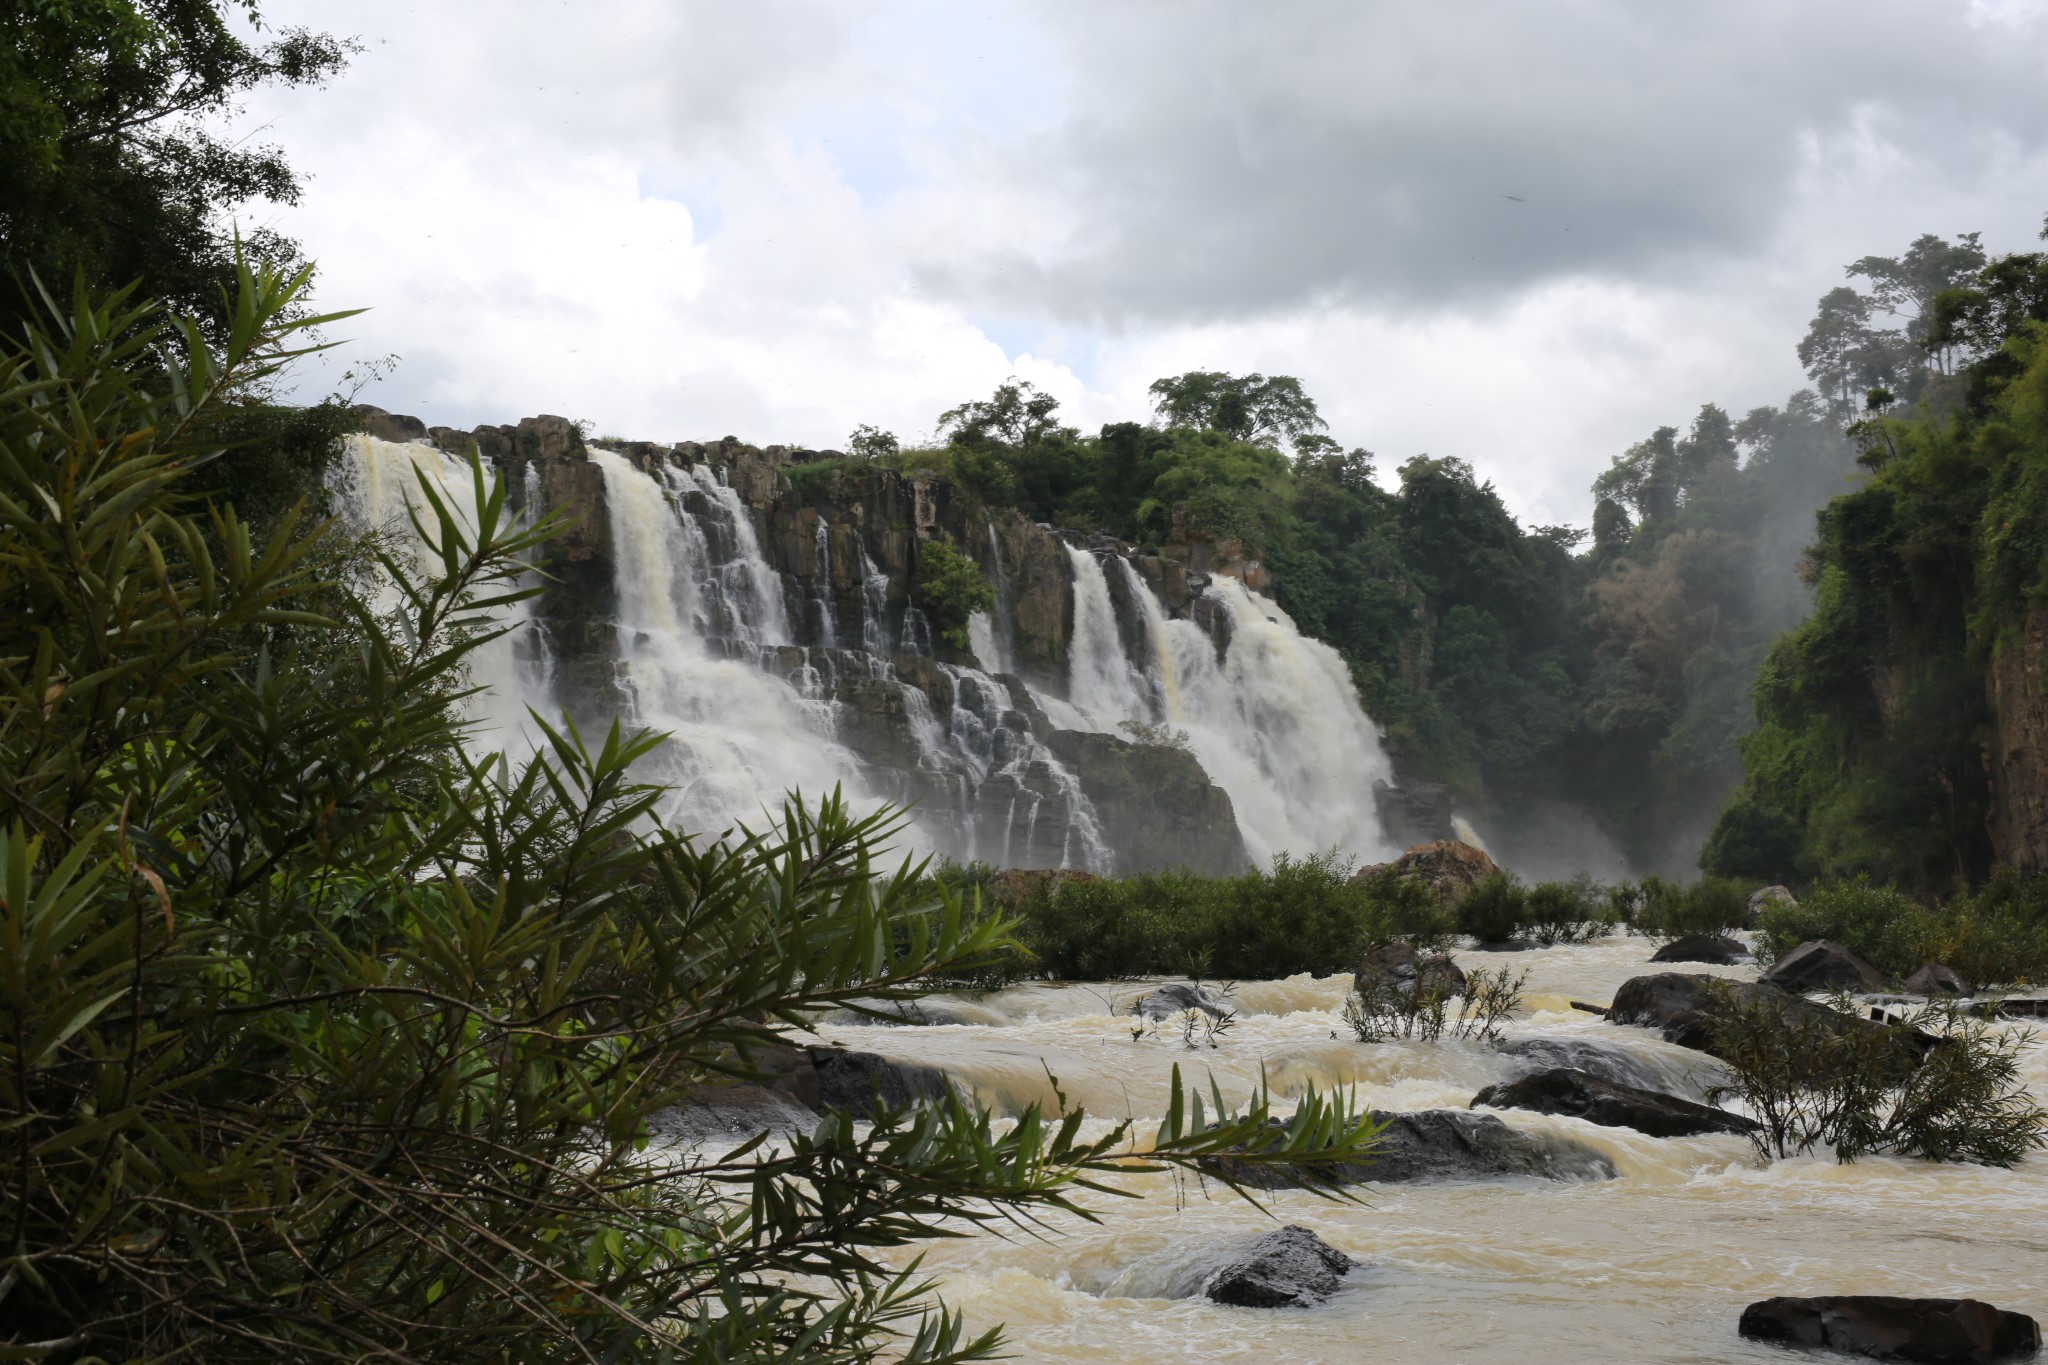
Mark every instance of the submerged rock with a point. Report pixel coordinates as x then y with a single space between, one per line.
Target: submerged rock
1401 966
1604 1060
1822 966
1599 1100
1714 948
853 1080
1446 1144
1935 979
1179 998
1291 1268
1929 1331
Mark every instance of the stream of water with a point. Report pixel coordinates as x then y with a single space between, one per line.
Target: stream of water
1653 1266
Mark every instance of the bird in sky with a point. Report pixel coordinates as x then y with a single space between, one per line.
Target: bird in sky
1516 197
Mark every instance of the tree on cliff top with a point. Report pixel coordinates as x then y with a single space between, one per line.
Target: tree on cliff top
1249 407
108 167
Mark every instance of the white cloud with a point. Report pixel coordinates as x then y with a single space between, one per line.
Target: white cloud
781 219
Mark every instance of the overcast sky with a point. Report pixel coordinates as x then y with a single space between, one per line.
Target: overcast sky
1522 233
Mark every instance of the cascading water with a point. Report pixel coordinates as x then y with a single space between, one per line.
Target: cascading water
377 487
684 573
1276 721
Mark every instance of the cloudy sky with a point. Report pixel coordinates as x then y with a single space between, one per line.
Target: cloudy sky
1523 233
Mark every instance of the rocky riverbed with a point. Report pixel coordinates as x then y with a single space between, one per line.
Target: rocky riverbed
1656 1263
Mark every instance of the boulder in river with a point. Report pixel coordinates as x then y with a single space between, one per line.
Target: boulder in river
852 1080
1683 1005
1598 1100
1291 1268
1824 966
1604 1060
1401 965
1760 901
1935 979
1439 1144
1718 949
1929 1331
1179 998
1448 867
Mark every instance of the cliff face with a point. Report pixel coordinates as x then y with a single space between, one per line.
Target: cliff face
990 775
2016 685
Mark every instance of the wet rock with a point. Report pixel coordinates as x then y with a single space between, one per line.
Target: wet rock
1291 1268
1929 1331
896 1013
1401 965
1821 966
1446 1144
1416 813
1179 998
1596 1099
1759 901
1604 1060
1447 867
730 1112
854 1080
1935 979
388 426
1683 1006
1714 948
1157 807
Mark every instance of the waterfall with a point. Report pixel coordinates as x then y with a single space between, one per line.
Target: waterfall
1101 679
991 633
695 606
376 484
1276 722
821 586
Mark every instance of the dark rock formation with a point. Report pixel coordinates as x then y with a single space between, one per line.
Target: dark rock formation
1418 813
1598 1100
1156 802
1291 1268
2016 685
1447 867
1400 966
1444 1144
1683 1005
1821 966
1927 1331
854 1080
1611 1063
1714 948
1179 998
1935 979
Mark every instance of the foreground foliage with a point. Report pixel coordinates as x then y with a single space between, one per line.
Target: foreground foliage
322 1039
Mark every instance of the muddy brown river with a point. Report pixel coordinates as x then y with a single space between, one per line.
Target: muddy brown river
1653 1266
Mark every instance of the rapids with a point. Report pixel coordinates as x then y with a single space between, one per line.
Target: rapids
1654 1266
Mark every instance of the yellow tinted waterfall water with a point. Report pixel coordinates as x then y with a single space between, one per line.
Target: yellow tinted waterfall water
1653 1266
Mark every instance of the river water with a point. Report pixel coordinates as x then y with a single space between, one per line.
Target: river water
1653 1266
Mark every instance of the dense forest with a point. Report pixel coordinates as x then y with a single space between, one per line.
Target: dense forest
1551 678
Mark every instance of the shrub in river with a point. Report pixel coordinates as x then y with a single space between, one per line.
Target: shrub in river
1711 905
322 1039
1423 1010
1996 934
1858 1091
1567 912
1495 909
1304 915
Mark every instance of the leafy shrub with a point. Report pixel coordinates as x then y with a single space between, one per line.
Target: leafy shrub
1866 1089
1568 912
952 588
1404 909
1421 1009
1997 934
1495 910
1711 905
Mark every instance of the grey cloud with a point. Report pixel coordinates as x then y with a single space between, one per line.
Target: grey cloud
1218 159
